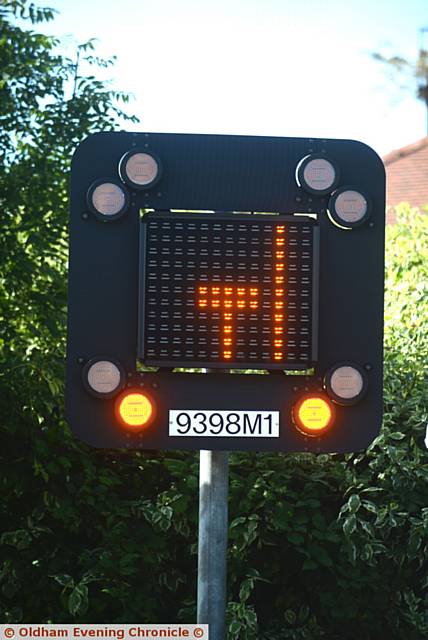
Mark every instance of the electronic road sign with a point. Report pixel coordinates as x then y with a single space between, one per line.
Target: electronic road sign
225 292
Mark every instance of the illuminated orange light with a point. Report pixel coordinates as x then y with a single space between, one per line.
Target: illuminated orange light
135 410
279 265
237 297
313 415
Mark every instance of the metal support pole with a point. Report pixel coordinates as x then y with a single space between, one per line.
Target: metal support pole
212 544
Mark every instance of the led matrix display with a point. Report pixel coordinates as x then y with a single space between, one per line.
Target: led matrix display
228 291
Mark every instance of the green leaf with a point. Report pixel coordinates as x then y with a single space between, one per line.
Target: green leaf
350 525
290 617
20 539
354 503
75 601
64 579
236 522
245 590
234 628
309 565
295 538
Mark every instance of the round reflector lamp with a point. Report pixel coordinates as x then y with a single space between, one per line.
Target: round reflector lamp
349 207
107 199
317 174
103 377
346 384
313 415
135 410
139 169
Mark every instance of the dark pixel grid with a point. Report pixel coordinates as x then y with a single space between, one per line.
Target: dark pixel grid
227 291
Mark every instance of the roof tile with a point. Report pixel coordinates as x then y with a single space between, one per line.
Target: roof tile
407 175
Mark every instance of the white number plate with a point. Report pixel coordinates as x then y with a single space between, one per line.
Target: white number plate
229 424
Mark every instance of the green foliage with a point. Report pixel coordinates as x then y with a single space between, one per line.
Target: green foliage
320 546
341 541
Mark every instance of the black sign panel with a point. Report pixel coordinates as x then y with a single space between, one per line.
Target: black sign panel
256 259
229 291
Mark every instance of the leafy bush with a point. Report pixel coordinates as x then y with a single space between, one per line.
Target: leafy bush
342 540
320 546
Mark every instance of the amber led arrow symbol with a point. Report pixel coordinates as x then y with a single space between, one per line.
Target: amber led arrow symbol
228 299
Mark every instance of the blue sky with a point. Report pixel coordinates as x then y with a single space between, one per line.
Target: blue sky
266 67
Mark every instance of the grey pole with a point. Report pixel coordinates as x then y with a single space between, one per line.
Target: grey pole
212 543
